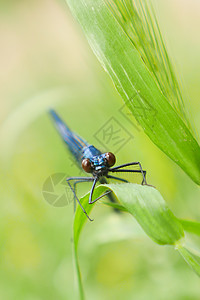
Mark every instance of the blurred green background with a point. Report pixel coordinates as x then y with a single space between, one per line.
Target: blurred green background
46 62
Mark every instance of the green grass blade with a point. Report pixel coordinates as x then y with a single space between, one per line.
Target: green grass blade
140 24
78 274
192 260
188 225
115 205
191 226
147 206
151 212
137 84
79 222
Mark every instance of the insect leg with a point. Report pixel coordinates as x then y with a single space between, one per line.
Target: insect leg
117 178
86 179
116 169
74 188
92 190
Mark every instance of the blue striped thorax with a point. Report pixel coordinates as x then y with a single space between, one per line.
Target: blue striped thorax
97 159
90 151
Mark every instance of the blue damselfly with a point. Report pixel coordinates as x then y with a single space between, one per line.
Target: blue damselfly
92 161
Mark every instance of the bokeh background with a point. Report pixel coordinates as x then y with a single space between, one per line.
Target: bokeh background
46 62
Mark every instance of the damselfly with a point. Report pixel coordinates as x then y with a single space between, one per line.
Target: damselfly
91 160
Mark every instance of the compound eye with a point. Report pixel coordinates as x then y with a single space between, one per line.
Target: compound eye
86 165
110 157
